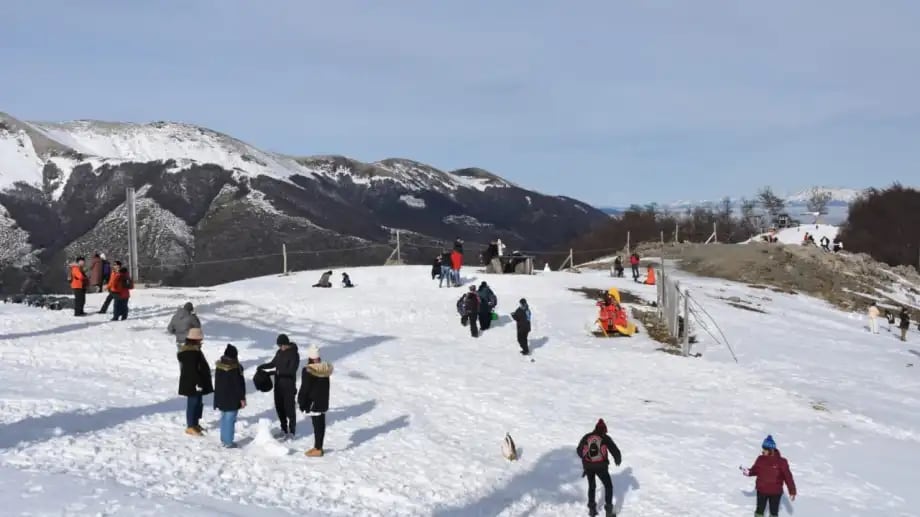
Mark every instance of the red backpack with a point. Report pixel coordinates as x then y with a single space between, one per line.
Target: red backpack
594 450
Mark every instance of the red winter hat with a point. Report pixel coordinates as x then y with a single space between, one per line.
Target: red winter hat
600 426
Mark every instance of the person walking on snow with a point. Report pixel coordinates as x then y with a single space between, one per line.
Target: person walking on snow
194 380
456 262
873 318
112 288
521 317
313 397
446 277
771 471
487 302
182 321
905 323
285 365
78 283
229 393
593 449
436 268
468 306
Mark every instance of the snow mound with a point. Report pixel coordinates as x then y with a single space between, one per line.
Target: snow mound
265 443
412 201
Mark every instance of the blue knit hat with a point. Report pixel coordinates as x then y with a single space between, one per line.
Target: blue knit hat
768 443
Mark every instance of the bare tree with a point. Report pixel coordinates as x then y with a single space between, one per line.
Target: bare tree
773 204
748 215
818 199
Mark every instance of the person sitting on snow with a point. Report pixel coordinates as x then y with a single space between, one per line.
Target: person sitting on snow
324 280
346 280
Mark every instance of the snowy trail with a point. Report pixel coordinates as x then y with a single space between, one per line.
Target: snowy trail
419 408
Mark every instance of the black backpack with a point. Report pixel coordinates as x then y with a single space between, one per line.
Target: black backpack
262 381
594 450
126 282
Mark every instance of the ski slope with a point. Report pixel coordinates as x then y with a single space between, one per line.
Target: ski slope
796 235
90 423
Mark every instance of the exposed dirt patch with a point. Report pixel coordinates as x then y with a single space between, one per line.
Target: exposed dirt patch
598 294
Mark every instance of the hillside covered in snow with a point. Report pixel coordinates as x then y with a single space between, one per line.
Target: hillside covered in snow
208 198
90 423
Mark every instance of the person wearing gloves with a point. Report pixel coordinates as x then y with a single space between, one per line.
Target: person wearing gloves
313 397
284 365
771 471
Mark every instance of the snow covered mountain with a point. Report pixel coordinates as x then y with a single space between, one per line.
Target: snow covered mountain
838 196
90 423
206 197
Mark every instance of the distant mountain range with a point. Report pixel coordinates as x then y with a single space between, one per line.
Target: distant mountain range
207 203
796 204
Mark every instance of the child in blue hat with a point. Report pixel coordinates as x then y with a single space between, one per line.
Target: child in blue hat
772 472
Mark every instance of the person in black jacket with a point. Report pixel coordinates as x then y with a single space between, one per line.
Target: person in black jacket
487 302
904 323
445 270
194 380
436 267
313 397
229 393
469 310
285 365
521 317
593 449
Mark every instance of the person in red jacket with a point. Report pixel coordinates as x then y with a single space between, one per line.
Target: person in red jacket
771 471
634 263
123 286
456 262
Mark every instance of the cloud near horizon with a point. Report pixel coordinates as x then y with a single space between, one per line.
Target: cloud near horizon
651 101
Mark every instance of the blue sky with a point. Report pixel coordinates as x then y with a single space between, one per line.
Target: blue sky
611 102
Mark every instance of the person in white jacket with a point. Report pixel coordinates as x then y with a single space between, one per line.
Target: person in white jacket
873 318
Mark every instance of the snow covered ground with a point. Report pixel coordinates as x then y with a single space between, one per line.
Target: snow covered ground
797 234
90 423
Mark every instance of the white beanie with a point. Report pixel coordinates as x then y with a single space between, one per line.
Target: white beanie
313 352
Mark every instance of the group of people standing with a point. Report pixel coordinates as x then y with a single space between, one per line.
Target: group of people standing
101 276
903 316
446 266
229 384
477 310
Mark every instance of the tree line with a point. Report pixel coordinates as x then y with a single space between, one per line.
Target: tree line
885 224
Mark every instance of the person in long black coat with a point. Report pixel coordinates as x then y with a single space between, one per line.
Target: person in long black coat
487 302
285 365
229 393
468 306
313 397
194 380
521 317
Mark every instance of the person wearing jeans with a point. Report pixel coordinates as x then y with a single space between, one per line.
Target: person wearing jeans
229 393
112 287
194 380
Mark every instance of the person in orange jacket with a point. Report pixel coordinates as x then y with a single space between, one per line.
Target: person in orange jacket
78 283
123 286
110 287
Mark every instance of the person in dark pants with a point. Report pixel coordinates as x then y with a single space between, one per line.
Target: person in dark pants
487 302
521 317
446 277
111 286
122 295
78 283
469 310
593 449
194 380
313 397
634 263
771 471
285 365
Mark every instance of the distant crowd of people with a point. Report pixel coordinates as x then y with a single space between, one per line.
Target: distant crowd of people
903 320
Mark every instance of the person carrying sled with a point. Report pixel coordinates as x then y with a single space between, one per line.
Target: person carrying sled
324 280
229 393
634 263
194 380
182 321
78 283
313 397
594 450
468 307
521 317
771 471
873 318
285 365
487 302
904 323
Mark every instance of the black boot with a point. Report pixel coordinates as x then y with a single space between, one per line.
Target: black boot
592 510
609 511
